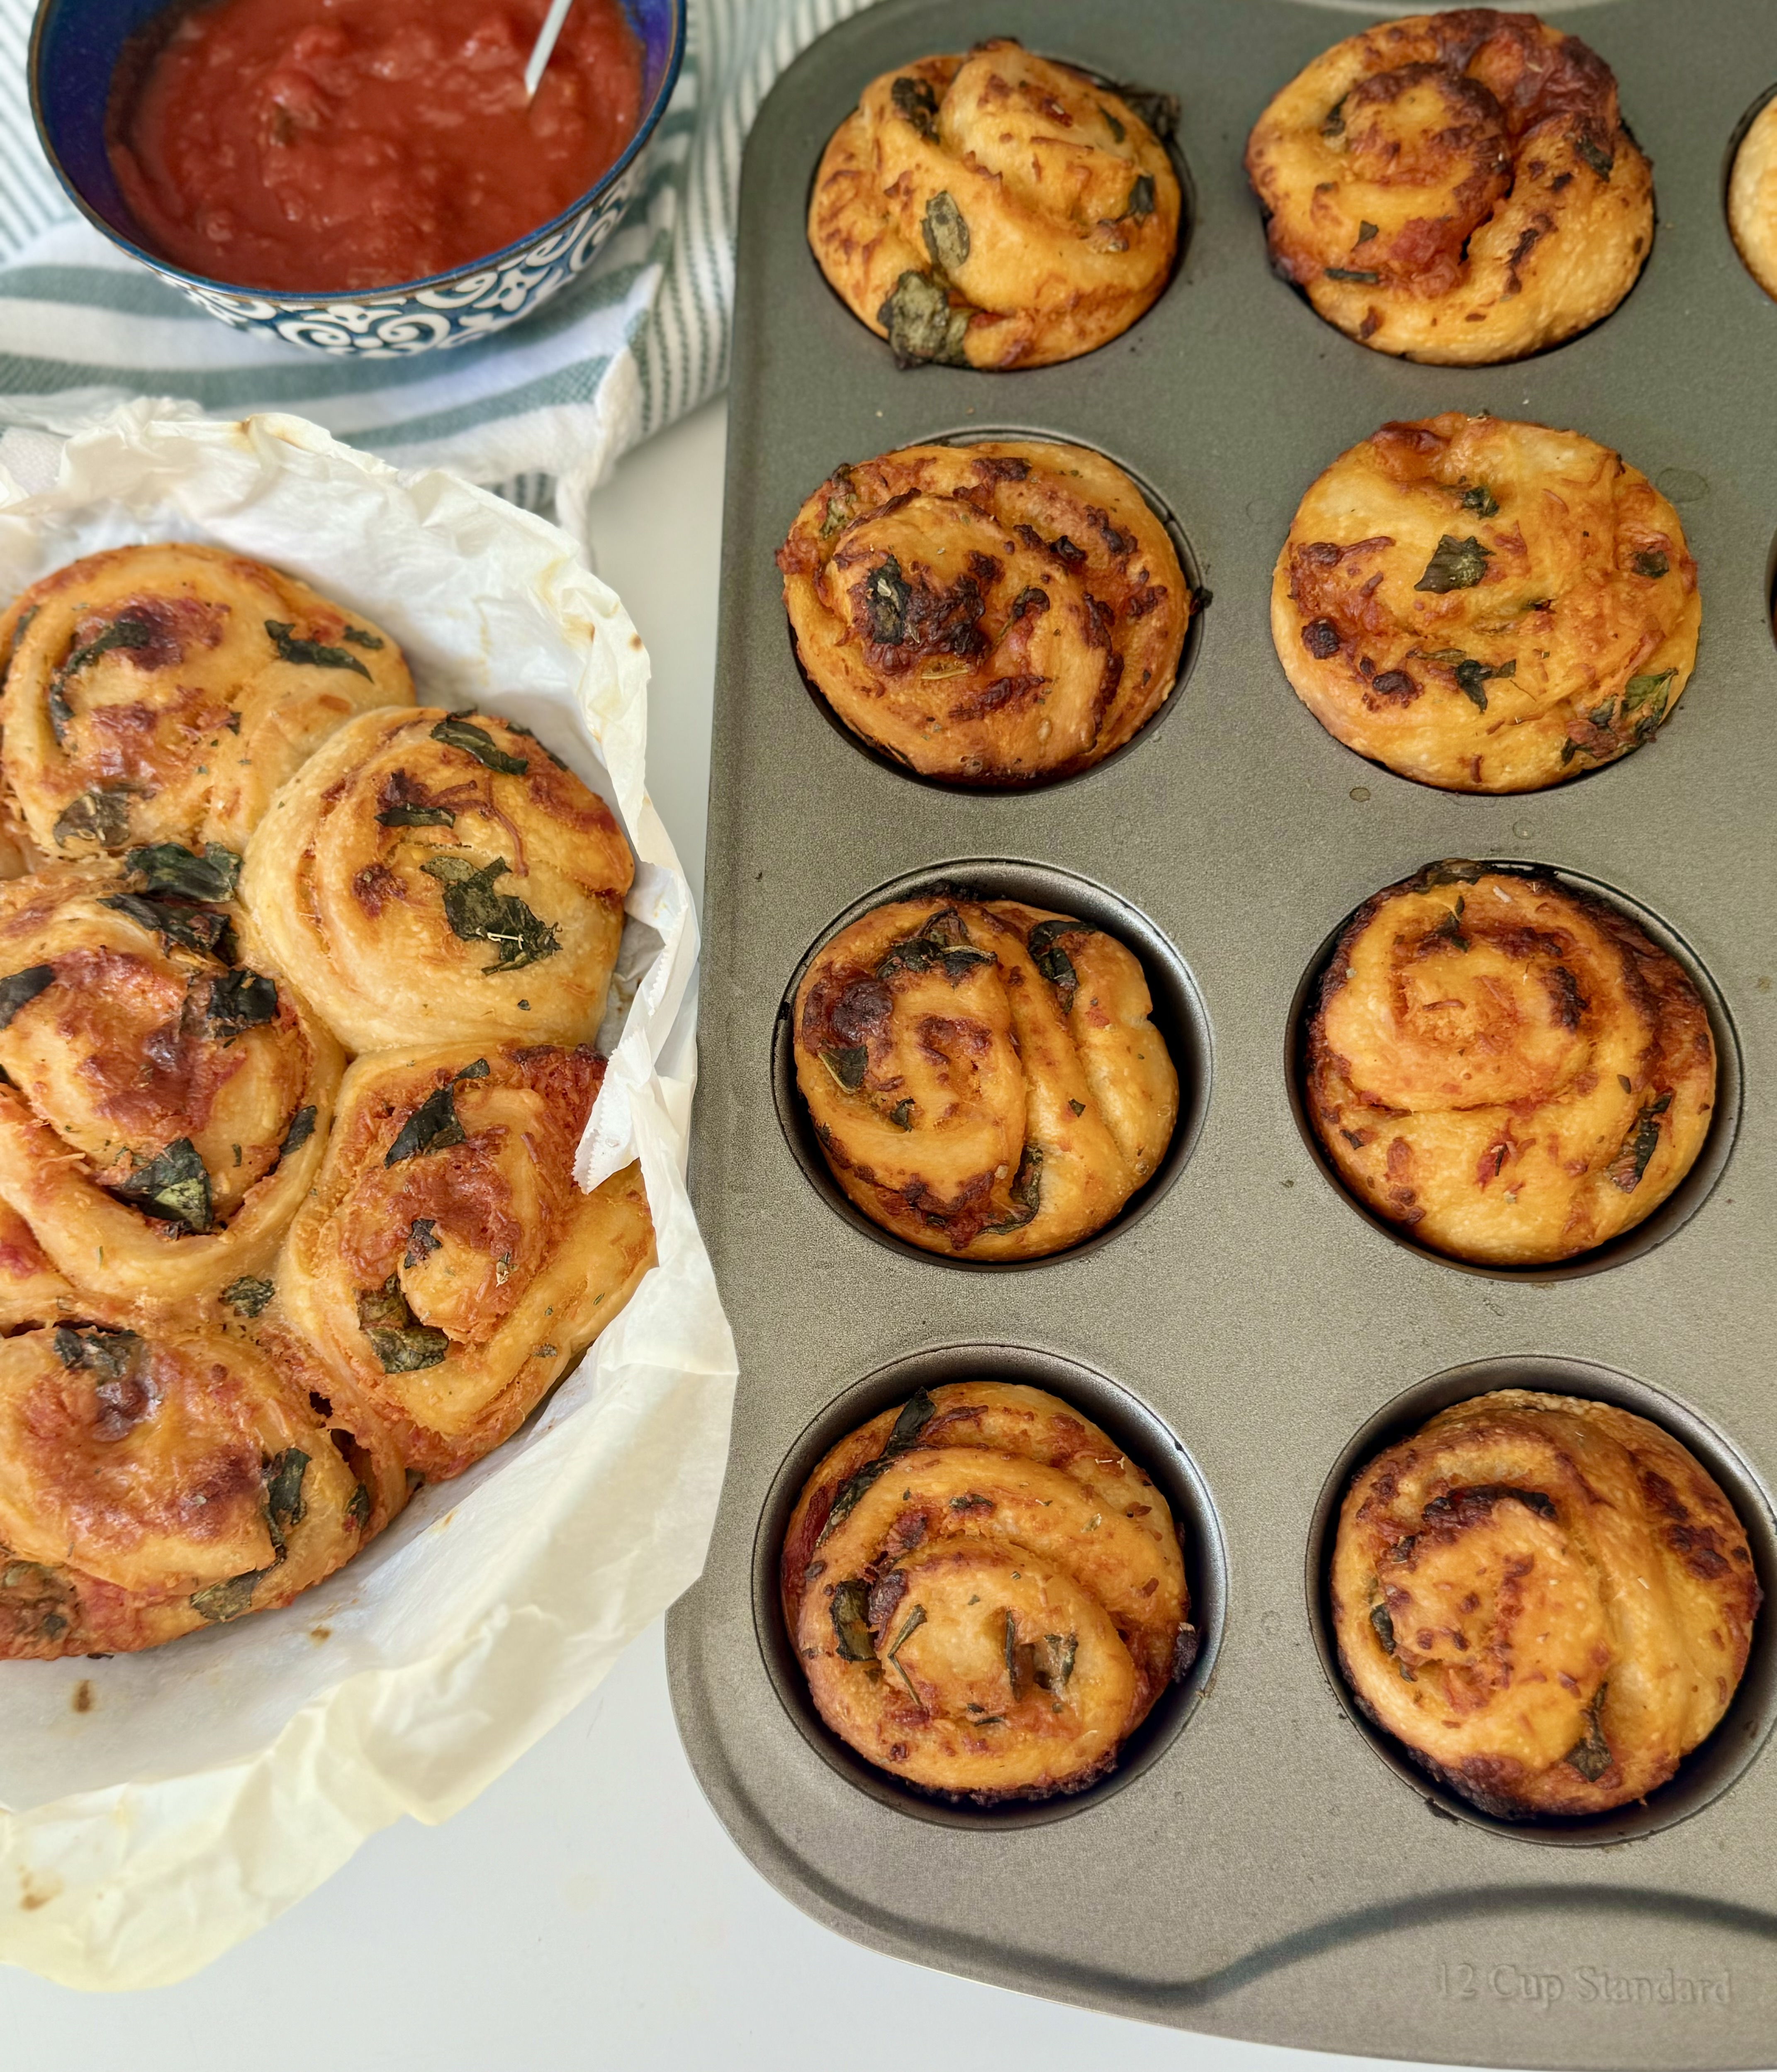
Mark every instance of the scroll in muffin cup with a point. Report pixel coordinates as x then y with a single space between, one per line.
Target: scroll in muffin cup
1458 187
163 694
1486 606
442 872
985 1595
167 1091
156 1478
444 1263
1547 1600
983 1077
992 615
1752 197
997 209
1505 1067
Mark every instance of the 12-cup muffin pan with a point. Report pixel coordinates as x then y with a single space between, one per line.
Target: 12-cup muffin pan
1263 1864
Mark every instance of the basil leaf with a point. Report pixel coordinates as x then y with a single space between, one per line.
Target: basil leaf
415 816
1654 565
1626 1170
1385 1627
1365 232
1025 1190
1591 1756
433 1126
1141 200
923 328
402 1344
477 1070
1594 155
22 988
1056 1671
848 1066
850 1614
457 731
199 928
477 913
311 654
1639 690
109 1354
169 868
173 1187
249 1295
284 1505
241 999
915 1414
301 1129
1350 274
1457 565
358 1510
125 630
945 233
422 1240
359 638
220 1602
98 815
1471 675
1480 499
914 102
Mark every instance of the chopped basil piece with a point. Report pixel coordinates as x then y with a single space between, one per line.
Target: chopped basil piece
1591 1756
1118 133
477 1070
98 815
477 913
1655 565
1055 1672
850 1614
284 1507
401 1344
1638 691
433 1126
1457 565
173 1187
901 1115
1479 498
170 869
1626 1170
945 233
125 630
301 1129
1159 110
1044 944
109 1354
1025 1190
22 988
422 1240
310 653
1141 200
942 940
1365 232
1350 274
199 928
61 712
358 1510
415 816
249 1295
241 999
1384 1626
848 1066
886 597
359 638
915 1414
921 324
220 1602
1594 155
459 732
914 102
1471 675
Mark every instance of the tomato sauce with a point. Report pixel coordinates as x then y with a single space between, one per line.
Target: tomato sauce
349 145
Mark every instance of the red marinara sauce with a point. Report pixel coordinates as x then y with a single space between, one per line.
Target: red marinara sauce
329 144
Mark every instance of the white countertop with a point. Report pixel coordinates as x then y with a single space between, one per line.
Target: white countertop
588 1909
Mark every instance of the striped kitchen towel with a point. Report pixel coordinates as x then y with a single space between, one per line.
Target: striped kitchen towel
542 410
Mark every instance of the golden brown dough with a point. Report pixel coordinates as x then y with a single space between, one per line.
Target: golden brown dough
442 873
982 1075
167 1091
985 1595
163 693
445 1263
1506 1066
997 210
1752 197
1486 606
1457 187
153 1480
992 615
1547 1600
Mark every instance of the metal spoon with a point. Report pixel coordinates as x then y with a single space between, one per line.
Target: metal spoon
545 45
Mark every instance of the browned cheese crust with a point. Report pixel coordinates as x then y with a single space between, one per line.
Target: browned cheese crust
1486 606
996 210
166 1092
442 872
1507 1068
445 1264
1456 188
1547 1601
163 693
983 1076
157 1479
997 613
985 1596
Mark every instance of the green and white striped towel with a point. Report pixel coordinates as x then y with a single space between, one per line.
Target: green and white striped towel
542 410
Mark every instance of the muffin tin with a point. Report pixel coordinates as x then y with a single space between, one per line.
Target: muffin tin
1255 1869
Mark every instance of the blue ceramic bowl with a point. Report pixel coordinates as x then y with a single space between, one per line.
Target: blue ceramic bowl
75 46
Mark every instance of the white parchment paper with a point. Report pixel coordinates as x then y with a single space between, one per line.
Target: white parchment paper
157 1808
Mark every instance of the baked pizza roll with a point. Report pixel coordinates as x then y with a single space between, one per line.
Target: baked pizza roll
1546 1601
990 615
1457 187
1506 1066
446 1264
1752 197
986 1594
162 694
153 1480
1486 606
166 1090
442 872
982 1075
997 209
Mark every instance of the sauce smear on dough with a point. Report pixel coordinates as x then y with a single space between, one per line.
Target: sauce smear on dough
326 144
